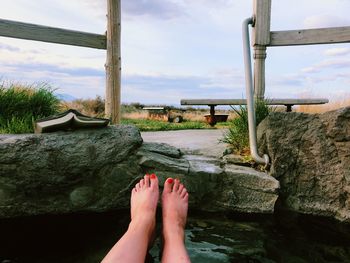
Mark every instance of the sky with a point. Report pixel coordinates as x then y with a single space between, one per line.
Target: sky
177 49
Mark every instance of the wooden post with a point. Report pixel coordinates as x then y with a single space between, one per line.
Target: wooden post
261 39
259 71
113 64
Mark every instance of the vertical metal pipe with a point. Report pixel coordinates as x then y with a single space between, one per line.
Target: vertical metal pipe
249 94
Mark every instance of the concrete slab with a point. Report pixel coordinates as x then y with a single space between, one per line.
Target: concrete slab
203 142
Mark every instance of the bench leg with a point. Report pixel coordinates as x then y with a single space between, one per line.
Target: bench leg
212 119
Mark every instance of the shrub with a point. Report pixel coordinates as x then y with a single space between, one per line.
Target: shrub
20 105
90 107
238 134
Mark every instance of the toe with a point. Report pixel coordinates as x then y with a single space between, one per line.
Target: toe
146 179
183 192
181 186
137 186
176 185
142 183
168 185
186 197
154 181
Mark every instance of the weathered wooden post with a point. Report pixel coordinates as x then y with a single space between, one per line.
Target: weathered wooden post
261 39
113 63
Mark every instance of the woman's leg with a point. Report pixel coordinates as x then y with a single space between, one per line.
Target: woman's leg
174 207
132 247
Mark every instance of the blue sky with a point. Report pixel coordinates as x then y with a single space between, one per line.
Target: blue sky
174 49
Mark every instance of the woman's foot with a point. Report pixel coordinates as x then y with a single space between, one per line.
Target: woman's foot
133 245
174 208
144 200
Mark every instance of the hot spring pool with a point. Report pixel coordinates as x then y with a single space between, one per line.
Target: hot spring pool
210 238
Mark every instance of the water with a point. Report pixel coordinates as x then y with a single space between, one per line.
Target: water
210 238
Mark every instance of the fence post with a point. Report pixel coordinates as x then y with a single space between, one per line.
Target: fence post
113 63
261 38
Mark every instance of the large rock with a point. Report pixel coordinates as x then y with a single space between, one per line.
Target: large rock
310 156
95 170
67 171
212 188
247 190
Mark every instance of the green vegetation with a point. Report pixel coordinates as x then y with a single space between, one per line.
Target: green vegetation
21 104
156 125
238 134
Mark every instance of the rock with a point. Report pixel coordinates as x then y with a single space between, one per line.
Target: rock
81 196
310 156
161 148
235 159
153 160
247 190
95 170
65 171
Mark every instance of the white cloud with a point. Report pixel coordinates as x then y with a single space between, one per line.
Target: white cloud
320 21
337 51
328 64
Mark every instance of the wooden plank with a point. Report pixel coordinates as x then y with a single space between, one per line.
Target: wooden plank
210 102
310 36
113 64
262 17
51 34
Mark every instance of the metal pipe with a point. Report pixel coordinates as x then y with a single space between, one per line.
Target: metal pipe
249 94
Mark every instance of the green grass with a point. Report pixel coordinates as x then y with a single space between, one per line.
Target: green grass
238 133
21 104
154 125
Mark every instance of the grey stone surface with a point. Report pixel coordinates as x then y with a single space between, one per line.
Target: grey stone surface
153 160
235 159
161 148
199 142
248 190
310 156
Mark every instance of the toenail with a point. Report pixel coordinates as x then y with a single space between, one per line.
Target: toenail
170 180
153 176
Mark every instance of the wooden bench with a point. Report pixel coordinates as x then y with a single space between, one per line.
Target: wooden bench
212 103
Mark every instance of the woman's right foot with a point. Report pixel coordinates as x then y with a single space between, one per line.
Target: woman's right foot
174 210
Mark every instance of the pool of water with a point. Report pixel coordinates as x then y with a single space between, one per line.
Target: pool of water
210 238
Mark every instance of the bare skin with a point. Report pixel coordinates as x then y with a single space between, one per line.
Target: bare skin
133 245
174 209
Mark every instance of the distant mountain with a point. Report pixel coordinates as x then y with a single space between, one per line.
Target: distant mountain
65 97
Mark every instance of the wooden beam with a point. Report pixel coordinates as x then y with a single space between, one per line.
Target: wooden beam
113 64
51 34
310 36
260 38
262 18
285 102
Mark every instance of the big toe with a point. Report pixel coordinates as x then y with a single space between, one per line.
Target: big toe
168 184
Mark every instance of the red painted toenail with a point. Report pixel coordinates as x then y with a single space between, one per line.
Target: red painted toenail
153 176
170 180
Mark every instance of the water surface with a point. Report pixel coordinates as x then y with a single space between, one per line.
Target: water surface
209 238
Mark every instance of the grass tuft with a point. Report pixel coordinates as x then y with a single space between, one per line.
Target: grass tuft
21 104
238 133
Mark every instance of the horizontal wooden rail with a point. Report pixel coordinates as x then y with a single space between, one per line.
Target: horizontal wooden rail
310 36
51 34
285 102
